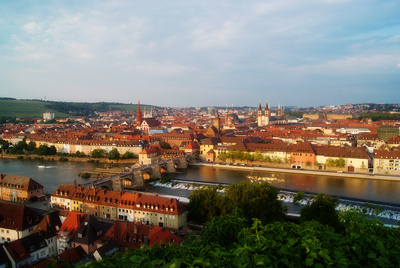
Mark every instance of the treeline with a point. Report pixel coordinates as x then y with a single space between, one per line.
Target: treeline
256 200
248 157
379 116
86 109
322 238
79 109
24 148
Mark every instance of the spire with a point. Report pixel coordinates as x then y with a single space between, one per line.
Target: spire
259 106
139 115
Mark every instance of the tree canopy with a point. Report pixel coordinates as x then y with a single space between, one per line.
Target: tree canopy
363 243
256 200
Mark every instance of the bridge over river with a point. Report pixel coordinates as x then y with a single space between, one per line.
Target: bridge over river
135 178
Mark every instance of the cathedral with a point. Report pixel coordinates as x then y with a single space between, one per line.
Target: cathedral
267 118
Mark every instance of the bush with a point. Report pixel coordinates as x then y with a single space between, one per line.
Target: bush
84 175
63 159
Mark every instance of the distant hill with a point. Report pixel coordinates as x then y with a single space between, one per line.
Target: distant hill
13 108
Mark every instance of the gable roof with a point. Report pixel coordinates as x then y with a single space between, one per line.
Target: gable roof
19 182
89 231
17 216
49 225
135 234
21 249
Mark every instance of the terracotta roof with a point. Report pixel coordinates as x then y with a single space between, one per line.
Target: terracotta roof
18 182
70 224
134 235
65 191
16 216
383 154
344 152
150 150
158 203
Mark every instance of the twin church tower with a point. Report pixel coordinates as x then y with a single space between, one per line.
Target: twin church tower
265 119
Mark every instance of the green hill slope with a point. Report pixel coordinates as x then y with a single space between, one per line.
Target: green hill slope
25 108
12 108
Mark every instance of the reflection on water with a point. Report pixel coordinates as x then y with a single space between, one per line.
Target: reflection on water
52 174
377 190
48 173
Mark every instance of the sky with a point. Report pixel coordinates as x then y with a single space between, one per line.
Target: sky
202 53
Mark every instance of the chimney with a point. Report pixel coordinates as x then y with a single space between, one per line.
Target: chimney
78 219
151 226
134 228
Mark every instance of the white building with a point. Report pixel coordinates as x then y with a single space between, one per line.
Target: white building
48 116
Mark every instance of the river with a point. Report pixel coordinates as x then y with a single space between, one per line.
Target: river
52 174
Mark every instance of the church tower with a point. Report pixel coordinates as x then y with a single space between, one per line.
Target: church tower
259 116
216 121
267 114
139 115
280 110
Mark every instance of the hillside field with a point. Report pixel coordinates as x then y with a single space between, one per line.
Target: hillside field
34 108
25 109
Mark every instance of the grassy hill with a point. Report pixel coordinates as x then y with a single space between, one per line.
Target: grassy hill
24 108
12 108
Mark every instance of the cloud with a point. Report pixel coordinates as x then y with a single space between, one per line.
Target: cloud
206 46
31 27
208 36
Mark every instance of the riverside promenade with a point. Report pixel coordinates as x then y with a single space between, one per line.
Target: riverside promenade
369 176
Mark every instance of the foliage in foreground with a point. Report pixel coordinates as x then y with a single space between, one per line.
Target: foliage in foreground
364 242
256 200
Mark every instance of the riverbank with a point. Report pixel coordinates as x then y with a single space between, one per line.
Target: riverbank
368 176
57 158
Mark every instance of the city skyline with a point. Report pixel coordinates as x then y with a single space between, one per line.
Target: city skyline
191 54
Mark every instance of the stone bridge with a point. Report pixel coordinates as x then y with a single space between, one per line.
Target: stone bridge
136 178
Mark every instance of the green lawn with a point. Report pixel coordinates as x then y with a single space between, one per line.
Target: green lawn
25 109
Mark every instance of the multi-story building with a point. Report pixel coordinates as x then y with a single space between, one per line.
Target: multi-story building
387 162
145 208
385 133
17 221
19 189
27 250
61 198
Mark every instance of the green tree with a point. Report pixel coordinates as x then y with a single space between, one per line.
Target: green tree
43 150
98 153
223 230
323 210
256 200
113 154
128 155
52 150
31 147
165 145
257 156
298 197
204 203
20 147
80 154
